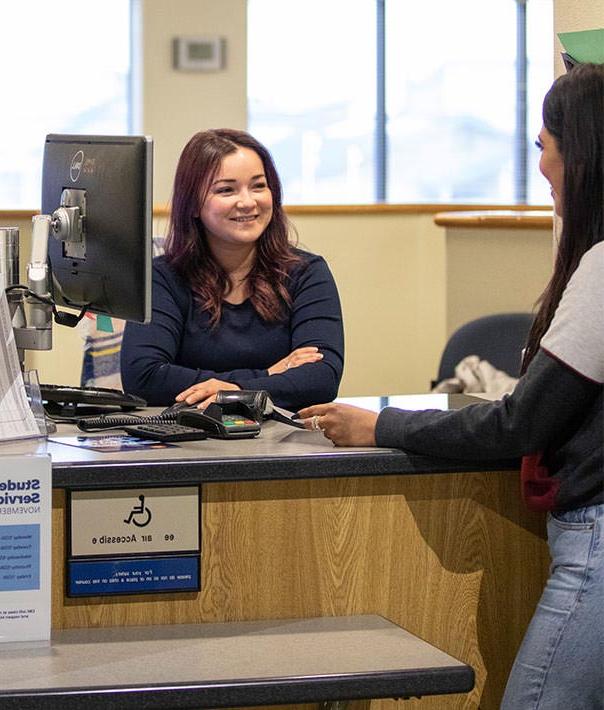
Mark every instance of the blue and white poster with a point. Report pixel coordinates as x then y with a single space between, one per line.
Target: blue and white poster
25 548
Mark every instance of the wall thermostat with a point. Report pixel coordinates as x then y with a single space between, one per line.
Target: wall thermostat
198 53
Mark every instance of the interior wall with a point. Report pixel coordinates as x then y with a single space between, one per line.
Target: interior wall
494 271
177 104
390 272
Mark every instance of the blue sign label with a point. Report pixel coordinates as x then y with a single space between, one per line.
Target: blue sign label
133 576
19 557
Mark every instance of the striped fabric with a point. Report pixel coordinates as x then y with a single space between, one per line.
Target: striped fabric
101 361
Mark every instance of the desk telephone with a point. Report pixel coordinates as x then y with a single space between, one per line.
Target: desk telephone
235 414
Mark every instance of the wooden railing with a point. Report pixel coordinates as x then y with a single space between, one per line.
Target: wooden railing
497 219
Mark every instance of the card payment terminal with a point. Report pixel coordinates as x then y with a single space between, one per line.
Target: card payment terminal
221 424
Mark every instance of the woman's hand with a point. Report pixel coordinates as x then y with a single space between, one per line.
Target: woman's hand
344 424
203 393
300 356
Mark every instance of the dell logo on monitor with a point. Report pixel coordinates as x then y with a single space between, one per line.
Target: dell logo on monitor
76 166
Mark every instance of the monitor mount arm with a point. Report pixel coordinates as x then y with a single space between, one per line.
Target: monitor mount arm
68 223
32 326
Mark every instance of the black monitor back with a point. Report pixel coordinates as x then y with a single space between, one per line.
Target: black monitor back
113 276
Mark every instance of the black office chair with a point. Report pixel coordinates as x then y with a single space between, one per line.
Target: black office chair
498 338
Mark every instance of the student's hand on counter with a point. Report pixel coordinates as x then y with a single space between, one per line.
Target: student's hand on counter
300 356
202 393
344 424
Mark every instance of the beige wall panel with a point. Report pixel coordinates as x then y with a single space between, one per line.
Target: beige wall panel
390 274
494 271
177 104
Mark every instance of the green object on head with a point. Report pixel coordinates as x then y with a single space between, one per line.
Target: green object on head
584 46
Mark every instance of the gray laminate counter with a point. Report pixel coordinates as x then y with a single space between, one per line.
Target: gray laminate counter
280 452
227 665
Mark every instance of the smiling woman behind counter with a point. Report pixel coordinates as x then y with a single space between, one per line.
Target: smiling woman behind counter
235 304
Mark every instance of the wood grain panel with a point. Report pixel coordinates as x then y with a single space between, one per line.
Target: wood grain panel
454 559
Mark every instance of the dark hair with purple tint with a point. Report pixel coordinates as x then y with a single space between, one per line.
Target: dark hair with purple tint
187 248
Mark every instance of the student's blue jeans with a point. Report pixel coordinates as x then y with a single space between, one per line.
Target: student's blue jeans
560 664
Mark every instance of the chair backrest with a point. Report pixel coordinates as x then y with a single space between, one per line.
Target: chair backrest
498 338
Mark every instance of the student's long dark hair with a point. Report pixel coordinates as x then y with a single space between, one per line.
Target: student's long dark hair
573 112
187 248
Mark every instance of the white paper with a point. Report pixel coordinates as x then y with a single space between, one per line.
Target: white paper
25 548
16 418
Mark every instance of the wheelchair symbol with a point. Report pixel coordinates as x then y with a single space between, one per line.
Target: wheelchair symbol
140 509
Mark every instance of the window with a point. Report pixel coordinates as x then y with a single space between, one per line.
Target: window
67 70
311 85
448 126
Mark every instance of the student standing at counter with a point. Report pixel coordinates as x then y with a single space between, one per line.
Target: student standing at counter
554 418
235 304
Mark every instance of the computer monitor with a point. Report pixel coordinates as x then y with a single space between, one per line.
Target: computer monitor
100 249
